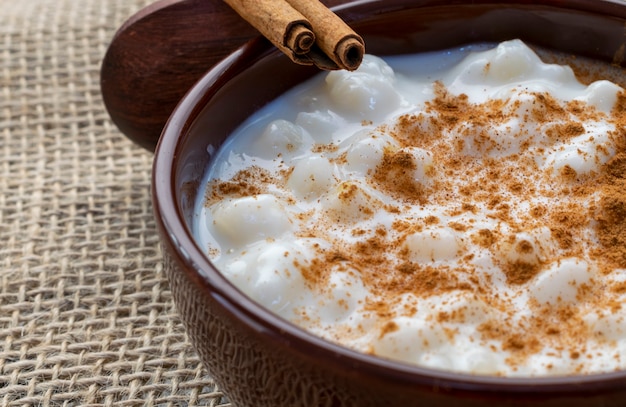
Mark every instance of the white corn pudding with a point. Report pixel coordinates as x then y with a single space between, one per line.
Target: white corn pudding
462 210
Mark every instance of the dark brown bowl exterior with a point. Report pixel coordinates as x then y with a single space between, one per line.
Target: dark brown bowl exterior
260 360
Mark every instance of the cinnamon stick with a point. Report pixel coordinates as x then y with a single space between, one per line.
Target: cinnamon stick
334 37
284 26
305 30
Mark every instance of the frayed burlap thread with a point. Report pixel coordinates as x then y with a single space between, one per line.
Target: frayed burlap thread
86 315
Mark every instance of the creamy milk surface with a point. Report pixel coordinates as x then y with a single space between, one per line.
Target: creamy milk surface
461 210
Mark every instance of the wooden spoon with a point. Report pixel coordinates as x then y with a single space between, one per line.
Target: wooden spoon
159 53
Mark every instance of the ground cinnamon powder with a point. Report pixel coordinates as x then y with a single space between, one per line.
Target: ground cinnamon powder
247 182
395 175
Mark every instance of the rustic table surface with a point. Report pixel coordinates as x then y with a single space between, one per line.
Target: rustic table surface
86 315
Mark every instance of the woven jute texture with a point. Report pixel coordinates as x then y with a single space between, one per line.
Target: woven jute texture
86 315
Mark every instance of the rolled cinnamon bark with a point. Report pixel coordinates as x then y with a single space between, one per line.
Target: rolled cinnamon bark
280 23
333 36
305 30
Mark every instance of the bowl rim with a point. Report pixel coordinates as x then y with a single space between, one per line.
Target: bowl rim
201 270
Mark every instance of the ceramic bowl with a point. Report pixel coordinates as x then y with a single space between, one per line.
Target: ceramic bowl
259 359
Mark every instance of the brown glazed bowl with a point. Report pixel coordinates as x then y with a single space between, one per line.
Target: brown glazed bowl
259 359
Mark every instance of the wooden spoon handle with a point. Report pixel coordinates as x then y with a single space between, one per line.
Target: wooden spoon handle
159 53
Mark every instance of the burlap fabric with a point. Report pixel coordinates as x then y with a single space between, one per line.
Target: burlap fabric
86 315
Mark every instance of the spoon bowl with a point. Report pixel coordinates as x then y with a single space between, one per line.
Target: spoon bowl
159 53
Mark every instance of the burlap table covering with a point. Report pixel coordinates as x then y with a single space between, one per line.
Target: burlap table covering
86 315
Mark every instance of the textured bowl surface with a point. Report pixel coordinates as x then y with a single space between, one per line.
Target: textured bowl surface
261 360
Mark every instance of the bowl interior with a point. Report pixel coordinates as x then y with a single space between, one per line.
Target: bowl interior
256 74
